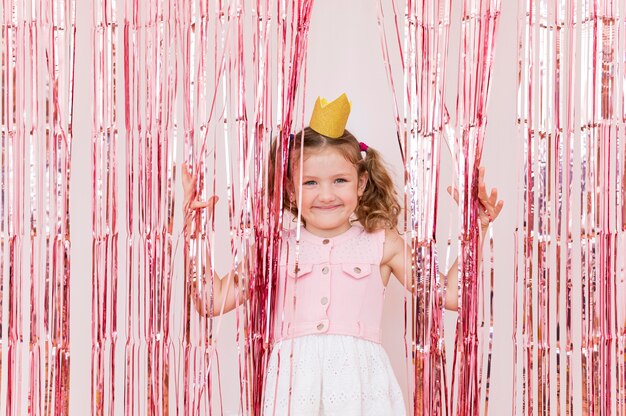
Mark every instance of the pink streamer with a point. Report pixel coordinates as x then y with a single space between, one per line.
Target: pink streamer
225 93
479 24
425 48
36 162
549 120
239 95
419 139
105 209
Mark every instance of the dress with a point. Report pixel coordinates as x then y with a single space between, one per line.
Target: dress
327 330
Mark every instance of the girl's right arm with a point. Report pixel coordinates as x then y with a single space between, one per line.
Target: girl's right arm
222 289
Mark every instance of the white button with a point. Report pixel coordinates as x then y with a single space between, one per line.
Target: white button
326 241
320 326
324 300
325 270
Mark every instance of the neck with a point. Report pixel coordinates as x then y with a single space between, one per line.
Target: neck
329 233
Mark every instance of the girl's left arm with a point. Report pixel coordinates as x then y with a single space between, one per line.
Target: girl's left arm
489 209
395 253
396 249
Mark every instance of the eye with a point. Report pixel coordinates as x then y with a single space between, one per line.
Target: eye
341 180
309 183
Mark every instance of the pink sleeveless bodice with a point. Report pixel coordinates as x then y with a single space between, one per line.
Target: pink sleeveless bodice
336 284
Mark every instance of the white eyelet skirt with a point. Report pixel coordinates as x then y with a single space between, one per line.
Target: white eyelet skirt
331 375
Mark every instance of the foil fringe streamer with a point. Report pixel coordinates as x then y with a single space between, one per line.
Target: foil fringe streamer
201 48
479 23
570 90
37 83
423 49
105 138
278 44
562 102
151 40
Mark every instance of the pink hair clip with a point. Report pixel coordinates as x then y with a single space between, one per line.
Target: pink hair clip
363 147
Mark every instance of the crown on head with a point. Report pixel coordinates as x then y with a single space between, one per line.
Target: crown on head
330 118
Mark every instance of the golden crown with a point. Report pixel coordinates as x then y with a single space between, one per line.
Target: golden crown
330 118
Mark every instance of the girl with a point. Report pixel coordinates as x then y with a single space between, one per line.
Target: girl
327 357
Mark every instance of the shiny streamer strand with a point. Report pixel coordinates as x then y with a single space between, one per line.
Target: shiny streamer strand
37 80
277 61
570 120
563 98
151 153
478 39
105 248
422 48
420 134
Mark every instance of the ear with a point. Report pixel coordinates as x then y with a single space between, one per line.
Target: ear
363 183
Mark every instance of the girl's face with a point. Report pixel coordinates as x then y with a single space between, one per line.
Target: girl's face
330 188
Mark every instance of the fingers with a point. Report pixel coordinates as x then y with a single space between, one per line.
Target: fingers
482 189
491 205
485 199
493 197
481 175
454 193
189 181
191 203
199 204
187 177
489 202
190 211
194 205
499 207
209 204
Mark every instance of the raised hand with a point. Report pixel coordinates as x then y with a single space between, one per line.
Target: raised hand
489 204
191 203
490 207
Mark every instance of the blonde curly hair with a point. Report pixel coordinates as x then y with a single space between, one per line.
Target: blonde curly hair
378 207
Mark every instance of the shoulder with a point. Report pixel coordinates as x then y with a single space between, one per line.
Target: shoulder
394 244
393 237
286 245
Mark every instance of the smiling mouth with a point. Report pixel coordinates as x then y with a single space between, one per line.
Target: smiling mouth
327 208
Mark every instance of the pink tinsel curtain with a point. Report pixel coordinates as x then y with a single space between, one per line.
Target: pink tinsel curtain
211 85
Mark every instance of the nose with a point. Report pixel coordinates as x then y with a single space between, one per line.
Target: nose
326 194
